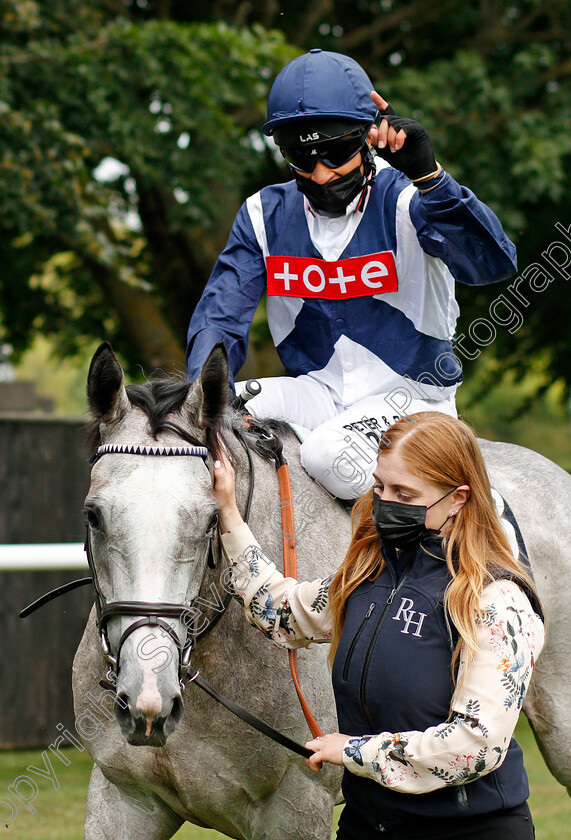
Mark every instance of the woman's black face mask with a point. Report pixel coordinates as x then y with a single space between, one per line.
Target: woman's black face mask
400 524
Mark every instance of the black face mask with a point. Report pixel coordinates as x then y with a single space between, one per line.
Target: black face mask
402 525
336 196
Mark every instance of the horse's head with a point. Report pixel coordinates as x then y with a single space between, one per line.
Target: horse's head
149 520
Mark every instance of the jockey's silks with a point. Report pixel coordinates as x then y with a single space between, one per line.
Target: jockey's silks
359 328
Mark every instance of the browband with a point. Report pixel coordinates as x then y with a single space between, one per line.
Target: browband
130 449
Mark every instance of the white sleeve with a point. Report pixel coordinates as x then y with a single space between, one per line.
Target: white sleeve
484 708
292 614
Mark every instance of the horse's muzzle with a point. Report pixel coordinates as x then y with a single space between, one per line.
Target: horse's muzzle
136 728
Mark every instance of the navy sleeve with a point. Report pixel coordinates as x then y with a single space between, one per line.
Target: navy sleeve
453 225
228 303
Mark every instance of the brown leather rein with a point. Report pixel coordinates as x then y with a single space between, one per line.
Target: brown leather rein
290 570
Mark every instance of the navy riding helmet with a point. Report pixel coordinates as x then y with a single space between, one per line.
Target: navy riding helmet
319 96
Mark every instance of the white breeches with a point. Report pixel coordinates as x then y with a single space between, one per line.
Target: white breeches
340 451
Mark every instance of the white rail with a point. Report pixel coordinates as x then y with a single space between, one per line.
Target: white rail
42 556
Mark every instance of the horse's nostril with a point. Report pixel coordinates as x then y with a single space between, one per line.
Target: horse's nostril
177 709
175 716
122 700
122 712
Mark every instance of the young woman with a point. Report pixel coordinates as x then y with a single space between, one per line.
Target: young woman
434 628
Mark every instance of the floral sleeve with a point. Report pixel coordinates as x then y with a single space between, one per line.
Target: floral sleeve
292 614
484 709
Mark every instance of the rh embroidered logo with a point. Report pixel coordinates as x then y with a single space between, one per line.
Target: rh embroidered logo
407 614
309 277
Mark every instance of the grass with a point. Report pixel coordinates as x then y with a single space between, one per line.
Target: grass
60 814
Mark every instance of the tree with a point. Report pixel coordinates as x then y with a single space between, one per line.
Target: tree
175 91
119 250
490 80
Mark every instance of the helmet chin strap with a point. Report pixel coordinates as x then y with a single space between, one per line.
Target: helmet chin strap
369 172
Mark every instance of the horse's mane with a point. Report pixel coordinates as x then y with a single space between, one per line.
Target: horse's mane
281 426
159 398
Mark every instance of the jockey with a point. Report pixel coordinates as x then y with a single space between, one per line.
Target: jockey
358 256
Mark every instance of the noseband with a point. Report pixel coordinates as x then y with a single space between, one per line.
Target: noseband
153 613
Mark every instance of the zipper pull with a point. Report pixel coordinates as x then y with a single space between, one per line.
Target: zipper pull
391 597
370 610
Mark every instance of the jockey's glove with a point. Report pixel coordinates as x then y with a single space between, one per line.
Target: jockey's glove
416 157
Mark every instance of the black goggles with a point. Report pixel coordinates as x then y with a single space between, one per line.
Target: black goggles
332 153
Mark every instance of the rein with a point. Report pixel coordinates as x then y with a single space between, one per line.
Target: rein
272 446
290 570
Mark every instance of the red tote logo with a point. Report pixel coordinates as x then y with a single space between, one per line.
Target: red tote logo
309 277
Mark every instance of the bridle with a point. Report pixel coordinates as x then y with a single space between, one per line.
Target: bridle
154 613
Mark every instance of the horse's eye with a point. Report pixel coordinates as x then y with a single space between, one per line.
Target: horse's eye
91 518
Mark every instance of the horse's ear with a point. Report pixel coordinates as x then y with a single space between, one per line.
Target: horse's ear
106 392
213 384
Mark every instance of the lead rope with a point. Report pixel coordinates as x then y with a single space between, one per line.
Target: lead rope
290 570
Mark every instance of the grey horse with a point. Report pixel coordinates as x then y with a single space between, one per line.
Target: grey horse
159 762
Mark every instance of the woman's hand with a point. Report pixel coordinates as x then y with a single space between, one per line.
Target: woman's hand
225 492
327 748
